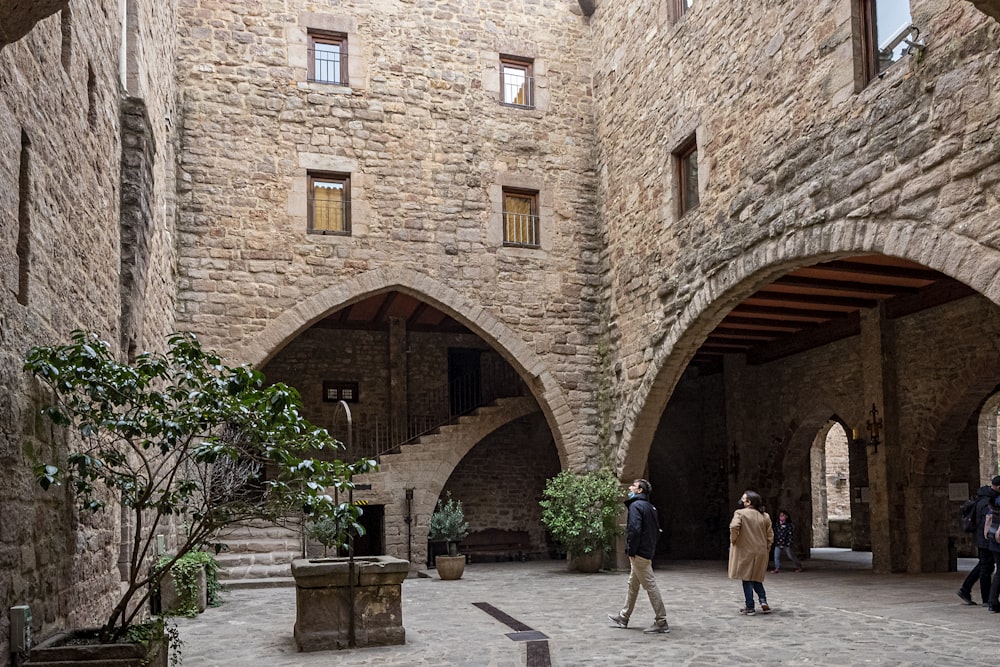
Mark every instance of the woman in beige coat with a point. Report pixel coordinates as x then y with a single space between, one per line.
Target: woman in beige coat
750 537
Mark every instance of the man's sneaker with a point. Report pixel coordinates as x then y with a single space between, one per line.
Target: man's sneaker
966 597
775 571
747 612
618 620
764 608
658 628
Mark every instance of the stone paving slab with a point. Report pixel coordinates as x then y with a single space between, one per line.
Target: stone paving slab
834 613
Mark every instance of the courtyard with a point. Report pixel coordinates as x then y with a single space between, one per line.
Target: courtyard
836 612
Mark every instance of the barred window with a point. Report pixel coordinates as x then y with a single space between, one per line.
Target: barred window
517 84
520 218
328 58
329 204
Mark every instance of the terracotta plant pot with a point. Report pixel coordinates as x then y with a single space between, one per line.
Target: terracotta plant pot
588 563
450 567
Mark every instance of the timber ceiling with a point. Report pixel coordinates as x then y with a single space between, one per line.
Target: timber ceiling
806 308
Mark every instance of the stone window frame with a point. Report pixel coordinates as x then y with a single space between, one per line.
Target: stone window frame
683 155
298 197
517 51
341 70
525 65
357 65
527 233
525 183
344 180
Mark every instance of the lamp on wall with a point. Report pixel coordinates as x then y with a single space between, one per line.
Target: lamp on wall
874 426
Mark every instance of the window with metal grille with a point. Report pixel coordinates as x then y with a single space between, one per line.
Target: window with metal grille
340 391
517 85
520 218
328 58
329 204
686 167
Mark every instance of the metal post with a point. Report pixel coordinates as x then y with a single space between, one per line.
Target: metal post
351 642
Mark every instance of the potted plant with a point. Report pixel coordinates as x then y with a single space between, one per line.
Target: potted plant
448 524
581 511
179 439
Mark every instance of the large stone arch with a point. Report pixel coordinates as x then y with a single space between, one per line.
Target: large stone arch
532 369
952 254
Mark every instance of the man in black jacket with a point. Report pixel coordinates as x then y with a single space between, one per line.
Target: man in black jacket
984 568
640 544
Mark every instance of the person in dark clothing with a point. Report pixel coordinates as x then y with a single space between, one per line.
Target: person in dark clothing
993 600
643 530
983 570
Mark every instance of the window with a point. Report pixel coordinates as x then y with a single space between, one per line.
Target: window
681 7
340 391
686 160
520 218
329 204
884 26
328 58
517 85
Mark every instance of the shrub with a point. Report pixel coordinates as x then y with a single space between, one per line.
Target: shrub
581 511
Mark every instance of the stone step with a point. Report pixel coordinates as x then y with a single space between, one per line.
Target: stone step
230 560
264 530
260 582
261 545
255 571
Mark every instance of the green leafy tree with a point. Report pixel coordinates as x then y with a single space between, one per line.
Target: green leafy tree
447 524
581 511
181 439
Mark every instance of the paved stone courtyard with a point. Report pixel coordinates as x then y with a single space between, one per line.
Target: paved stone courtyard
835 613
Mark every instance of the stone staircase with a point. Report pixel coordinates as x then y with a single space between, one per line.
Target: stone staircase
259 554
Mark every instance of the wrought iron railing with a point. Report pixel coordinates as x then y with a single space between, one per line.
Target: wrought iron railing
376 435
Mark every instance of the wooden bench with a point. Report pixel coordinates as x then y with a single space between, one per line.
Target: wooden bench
494 544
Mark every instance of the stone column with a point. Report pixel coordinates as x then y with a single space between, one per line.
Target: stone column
398 387
886 464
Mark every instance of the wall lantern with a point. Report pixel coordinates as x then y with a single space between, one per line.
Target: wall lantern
874 431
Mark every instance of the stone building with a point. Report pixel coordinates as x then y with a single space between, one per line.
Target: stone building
683 239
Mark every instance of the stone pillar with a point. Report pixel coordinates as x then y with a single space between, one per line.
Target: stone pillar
886 464
398 386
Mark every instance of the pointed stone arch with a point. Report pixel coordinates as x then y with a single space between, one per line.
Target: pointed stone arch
507 342
954 255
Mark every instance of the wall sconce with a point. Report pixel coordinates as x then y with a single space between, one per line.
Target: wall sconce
874 426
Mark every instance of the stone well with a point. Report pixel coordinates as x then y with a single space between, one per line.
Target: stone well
322 602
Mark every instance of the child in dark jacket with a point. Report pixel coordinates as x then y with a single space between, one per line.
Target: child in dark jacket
783 534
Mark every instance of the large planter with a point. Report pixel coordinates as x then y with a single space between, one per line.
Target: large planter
323 602
173 600
450 567
64 650
587 563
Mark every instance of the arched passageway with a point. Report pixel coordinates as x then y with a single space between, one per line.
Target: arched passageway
897 353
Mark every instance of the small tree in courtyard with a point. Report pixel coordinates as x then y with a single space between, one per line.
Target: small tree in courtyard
180 438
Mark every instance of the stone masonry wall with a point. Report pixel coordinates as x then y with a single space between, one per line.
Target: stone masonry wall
796 165
60 148
427 146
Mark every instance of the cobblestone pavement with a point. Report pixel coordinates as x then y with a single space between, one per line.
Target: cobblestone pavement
835 613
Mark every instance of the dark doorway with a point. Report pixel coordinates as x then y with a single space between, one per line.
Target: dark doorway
372 543
464 378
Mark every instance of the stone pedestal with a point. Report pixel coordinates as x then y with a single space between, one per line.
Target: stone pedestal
323 609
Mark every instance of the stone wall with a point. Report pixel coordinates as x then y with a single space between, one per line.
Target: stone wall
427 146
60 261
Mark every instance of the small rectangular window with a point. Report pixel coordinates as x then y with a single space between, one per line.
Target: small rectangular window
517 84
884 27
340 391
681 7
329 204
328 58
686 160
520 218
